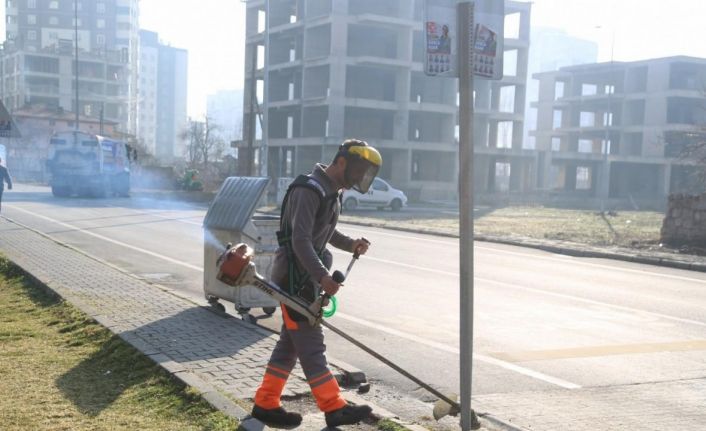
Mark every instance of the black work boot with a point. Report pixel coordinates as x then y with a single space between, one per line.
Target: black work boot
347 415
278 416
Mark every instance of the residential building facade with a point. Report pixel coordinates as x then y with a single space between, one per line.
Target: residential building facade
618 129
162 97
550 50
322 71
147 91
172 66
38 57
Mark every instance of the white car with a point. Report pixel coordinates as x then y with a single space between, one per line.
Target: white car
380 195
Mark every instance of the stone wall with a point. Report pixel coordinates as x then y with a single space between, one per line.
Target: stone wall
685 221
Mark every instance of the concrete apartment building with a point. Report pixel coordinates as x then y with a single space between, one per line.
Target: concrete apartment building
552 49
38 57
643 113
326 70
171 102
162 95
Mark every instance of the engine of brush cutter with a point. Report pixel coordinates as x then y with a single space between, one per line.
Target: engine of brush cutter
232 262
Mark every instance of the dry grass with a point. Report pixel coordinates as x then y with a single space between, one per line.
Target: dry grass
59 370
625 228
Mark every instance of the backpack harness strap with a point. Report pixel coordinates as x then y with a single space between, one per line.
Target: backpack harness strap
298 278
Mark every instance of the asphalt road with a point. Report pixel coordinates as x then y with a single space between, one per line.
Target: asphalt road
542 321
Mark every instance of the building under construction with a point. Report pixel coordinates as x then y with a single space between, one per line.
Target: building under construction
618 130
320 71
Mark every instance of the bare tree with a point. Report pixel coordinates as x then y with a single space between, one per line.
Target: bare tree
193 135
690 147
203 145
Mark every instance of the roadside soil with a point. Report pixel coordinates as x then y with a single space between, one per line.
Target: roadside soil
634 230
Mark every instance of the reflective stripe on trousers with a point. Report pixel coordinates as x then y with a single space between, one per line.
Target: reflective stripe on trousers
302 341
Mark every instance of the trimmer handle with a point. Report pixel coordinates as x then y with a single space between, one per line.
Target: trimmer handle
356 253
338 276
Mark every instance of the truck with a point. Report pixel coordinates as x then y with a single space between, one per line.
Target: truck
88 165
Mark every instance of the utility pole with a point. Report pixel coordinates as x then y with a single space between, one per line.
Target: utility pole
265 95
465 18
76 57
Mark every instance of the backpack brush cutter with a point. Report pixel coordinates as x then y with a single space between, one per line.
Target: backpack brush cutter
235 268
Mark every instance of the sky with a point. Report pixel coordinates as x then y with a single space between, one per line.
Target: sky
213 32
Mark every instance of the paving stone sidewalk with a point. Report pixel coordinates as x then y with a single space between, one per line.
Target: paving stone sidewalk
201 347
220 356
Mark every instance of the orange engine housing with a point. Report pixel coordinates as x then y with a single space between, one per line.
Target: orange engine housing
233 262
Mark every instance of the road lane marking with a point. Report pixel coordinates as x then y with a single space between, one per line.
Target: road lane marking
577 261
545 292
480 357
597 351
110 240
592 302
450 349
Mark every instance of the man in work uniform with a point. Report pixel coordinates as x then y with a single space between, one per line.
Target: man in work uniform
4 178
310 212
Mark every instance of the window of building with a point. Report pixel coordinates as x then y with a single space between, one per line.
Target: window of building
31 4
100 23
53 20
31 35
100 39
583 178
556 123
100 7
76 6
31 19
585 146
587 119
76 22
54 4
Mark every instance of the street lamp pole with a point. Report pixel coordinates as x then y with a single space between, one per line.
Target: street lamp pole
76 57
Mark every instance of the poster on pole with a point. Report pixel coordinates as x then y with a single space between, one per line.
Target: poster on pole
488 41
440 43
440 38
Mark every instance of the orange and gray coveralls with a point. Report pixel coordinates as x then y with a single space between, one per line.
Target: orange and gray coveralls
309 216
